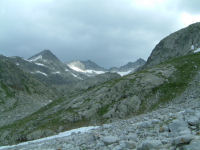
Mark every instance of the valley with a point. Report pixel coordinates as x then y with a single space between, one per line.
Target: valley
141 105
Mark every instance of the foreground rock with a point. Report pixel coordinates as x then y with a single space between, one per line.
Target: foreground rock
174 127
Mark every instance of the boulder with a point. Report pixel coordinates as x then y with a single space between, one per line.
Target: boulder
150 144
110 140
186 139
194 145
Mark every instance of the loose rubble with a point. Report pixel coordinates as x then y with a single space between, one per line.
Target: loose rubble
175 127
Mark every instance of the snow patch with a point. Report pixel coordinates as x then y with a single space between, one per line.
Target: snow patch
36 58
197 50
94 72
39 64
192 47
41 73
76 76
60 135
124 73
57 72
17 64
85 71
75 68
26 59
66 70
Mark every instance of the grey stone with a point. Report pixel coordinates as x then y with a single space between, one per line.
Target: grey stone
131 137
155 121
150 144
194 145
130 144
186 139
179 127
193 121
110 139
145 124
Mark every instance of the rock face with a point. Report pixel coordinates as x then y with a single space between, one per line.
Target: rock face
180 43
20 93
90 65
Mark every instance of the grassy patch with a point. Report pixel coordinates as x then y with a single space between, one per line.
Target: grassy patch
7 90
186 69
103 110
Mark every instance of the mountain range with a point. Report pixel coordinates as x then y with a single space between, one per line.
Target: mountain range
43 96
47 67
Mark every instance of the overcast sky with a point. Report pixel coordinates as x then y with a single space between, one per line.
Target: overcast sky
109 32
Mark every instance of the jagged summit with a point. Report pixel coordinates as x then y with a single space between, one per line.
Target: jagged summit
88 67
129 67
133 65
45 54
180 43
140 60
92 65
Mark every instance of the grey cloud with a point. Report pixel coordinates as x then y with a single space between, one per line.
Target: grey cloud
189 5
110 33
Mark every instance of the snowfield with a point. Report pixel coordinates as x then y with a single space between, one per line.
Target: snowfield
36 58
75 68
60 135
124 73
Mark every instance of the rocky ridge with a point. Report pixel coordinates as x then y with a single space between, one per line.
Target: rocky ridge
90 68
20 94
129 67
180 43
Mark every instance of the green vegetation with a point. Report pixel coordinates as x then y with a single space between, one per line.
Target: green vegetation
7 90
103 110
186 69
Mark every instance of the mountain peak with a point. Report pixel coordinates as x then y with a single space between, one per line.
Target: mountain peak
45 54
129 67
92 65
140 60
179 43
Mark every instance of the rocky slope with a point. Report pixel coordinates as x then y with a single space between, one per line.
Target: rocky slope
20 93
176 126
180 43
169 82
121 98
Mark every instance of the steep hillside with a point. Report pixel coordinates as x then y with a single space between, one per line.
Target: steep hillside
116 99
47 68
20 93
180 43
